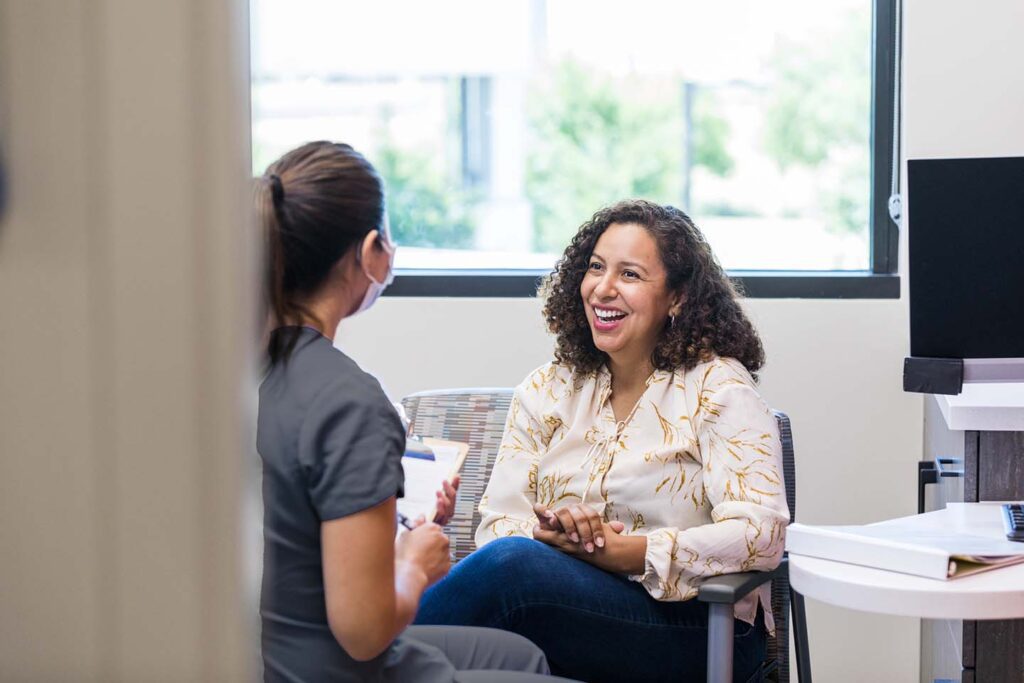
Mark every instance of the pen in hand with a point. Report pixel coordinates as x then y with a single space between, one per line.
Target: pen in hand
404 521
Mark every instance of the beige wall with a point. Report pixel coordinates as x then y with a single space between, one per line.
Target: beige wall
123 281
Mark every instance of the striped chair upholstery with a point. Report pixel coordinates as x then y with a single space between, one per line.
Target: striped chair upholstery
473 416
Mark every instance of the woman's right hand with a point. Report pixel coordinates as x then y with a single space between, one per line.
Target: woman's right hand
426 548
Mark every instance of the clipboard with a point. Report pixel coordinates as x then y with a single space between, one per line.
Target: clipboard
423 476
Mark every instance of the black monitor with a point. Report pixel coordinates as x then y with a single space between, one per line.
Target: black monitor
966 260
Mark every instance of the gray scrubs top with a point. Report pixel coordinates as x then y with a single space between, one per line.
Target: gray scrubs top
331 445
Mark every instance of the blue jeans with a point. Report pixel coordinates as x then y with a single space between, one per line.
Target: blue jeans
592 625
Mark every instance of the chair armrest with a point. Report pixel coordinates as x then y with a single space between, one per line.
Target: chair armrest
731 588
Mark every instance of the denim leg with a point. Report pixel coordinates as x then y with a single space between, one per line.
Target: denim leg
593 625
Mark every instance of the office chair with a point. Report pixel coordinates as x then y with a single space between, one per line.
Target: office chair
473 416
723 592
477 417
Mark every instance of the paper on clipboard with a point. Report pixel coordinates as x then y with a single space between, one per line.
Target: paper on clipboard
423 478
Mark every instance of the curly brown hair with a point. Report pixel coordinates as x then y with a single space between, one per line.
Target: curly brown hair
711 322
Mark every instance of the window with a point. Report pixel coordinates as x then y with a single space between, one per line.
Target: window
501 126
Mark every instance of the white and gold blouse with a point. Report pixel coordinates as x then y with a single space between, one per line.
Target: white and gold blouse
696 467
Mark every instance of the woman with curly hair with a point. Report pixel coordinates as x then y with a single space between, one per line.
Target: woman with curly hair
637 463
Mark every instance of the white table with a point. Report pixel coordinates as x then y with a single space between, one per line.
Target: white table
998 594
994 594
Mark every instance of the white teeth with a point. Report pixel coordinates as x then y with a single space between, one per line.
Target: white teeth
608 315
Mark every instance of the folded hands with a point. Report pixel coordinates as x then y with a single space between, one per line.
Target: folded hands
579 531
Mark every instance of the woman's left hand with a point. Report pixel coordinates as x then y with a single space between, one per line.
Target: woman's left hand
599 556
446 501
618 553
578 521
576 529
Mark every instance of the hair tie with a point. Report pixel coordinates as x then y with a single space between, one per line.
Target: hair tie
276 188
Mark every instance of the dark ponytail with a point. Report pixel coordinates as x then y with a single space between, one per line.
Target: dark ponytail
314 204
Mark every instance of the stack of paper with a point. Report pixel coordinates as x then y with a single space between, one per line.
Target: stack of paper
938 548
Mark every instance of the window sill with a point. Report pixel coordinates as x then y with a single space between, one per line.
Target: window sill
517 284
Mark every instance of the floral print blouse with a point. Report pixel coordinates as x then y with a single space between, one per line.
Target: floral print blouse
696 467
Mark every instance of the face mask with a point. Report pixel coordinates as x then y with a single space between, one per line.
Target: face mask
375 289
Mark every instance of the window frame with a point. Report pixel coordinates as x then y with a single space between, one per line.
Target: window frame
880 281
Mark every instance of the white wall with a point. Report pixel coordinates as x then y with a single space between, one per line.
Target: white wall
964 85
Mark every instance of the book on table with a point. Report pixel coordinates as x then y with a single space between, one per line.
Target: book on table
426 464
938 545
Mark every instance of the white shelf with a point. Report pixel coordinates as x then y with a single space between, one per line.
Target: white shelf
989 407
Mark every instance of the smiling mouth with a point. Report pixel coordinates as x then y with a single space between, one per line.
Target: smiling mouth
605 317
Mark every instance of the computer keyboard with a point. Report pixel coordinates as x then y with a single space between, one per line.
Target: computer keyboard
1013 521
